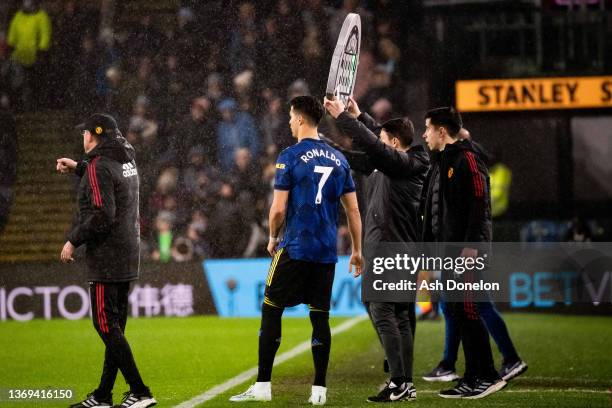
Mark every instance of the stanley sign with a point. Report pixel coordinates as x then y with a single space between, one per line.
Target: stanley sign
534 94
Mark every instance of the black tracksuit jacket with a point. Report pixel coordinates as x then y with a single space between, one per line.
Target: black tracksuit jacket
456 196
108 218
394 182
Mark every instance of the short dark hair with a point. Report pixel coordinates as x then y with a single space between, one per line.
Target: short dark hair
447 117
402 128
309 107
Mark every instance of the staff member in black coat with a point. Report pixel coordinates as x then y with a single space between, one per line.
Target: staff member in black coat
458 209
396 171
108 225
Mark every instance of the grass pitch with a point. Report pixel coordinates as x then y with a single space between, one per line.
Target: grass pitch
570 361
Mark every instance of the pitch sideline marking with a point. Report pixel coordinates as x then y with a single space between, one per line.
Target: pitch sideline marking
252 372
538 390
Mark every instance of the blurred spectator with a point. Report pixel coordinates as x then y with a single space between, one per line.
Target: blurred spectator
8 160
365 73
195 129
299 87
173 98
29 36
144 39
316 16
29 33
380 87
338 16
274 57
69 29
313 53
163 237
290 31
12 77
243 42
142 125
142 134
196 232
214 88
237 129
226 225
162 198
83 91
275 128
243 88
389 55
143 83
186 42
381 110
246 175
200 180
113 98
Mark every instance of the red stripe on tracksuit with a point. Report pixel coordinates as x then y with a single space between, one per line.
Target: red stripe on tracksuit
93 182
100 303
469 305
477 180
98 314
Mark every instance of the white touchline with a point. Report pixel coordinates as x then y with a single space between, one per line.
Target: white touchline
537 391
252 372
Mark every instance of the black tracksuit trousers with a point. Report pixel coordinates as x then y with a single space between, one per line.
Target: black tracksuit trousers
109 310
475 339
395 325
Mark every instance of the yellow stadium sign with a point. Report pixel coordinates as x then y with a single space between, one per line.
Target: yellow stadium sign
533 94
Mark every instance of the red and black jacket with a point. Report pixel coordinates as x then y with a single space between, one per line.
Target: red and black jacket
457 198
108 218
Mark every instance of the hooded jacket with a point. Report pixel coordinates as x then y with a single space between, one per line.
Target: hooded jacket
456 196
108 218
393 185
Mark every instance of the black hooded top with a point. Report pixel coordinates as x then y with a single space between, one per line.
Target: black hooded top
108 218
394 181
456 197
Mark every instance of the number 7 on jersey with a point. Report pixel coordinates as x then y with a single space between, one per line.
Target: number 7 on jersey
326 172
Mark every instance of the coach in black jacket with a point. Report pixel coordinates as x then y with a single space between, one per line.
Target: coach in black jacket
458 210
396 172
108 225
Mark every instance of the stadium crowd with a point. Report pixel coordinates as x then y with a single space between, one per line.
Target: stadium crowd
203 101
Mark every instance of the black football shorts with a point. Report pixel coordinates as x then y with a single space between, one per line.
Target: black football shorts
292 282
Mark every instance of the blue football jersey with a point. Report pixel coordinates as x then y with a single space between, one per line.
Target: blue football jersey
316 176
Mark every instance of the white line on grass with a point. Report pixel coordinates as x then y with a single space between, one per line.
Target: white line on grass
538 390
553 379
251 372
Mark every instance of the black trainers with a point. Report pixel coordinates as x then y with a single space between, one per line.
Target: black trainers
93 402
131 400
393 392
441 373
484 388
411 393
461 390
511 370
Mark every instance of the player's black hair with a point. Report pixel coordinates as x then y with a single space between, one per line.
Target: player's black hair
446 117
309 107
402 128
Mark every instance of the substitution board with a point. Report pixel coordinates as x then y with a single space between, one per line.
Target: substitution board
343 68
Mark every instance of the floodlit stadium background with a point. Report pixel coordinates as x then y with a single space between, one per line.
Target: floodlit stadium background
181 76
